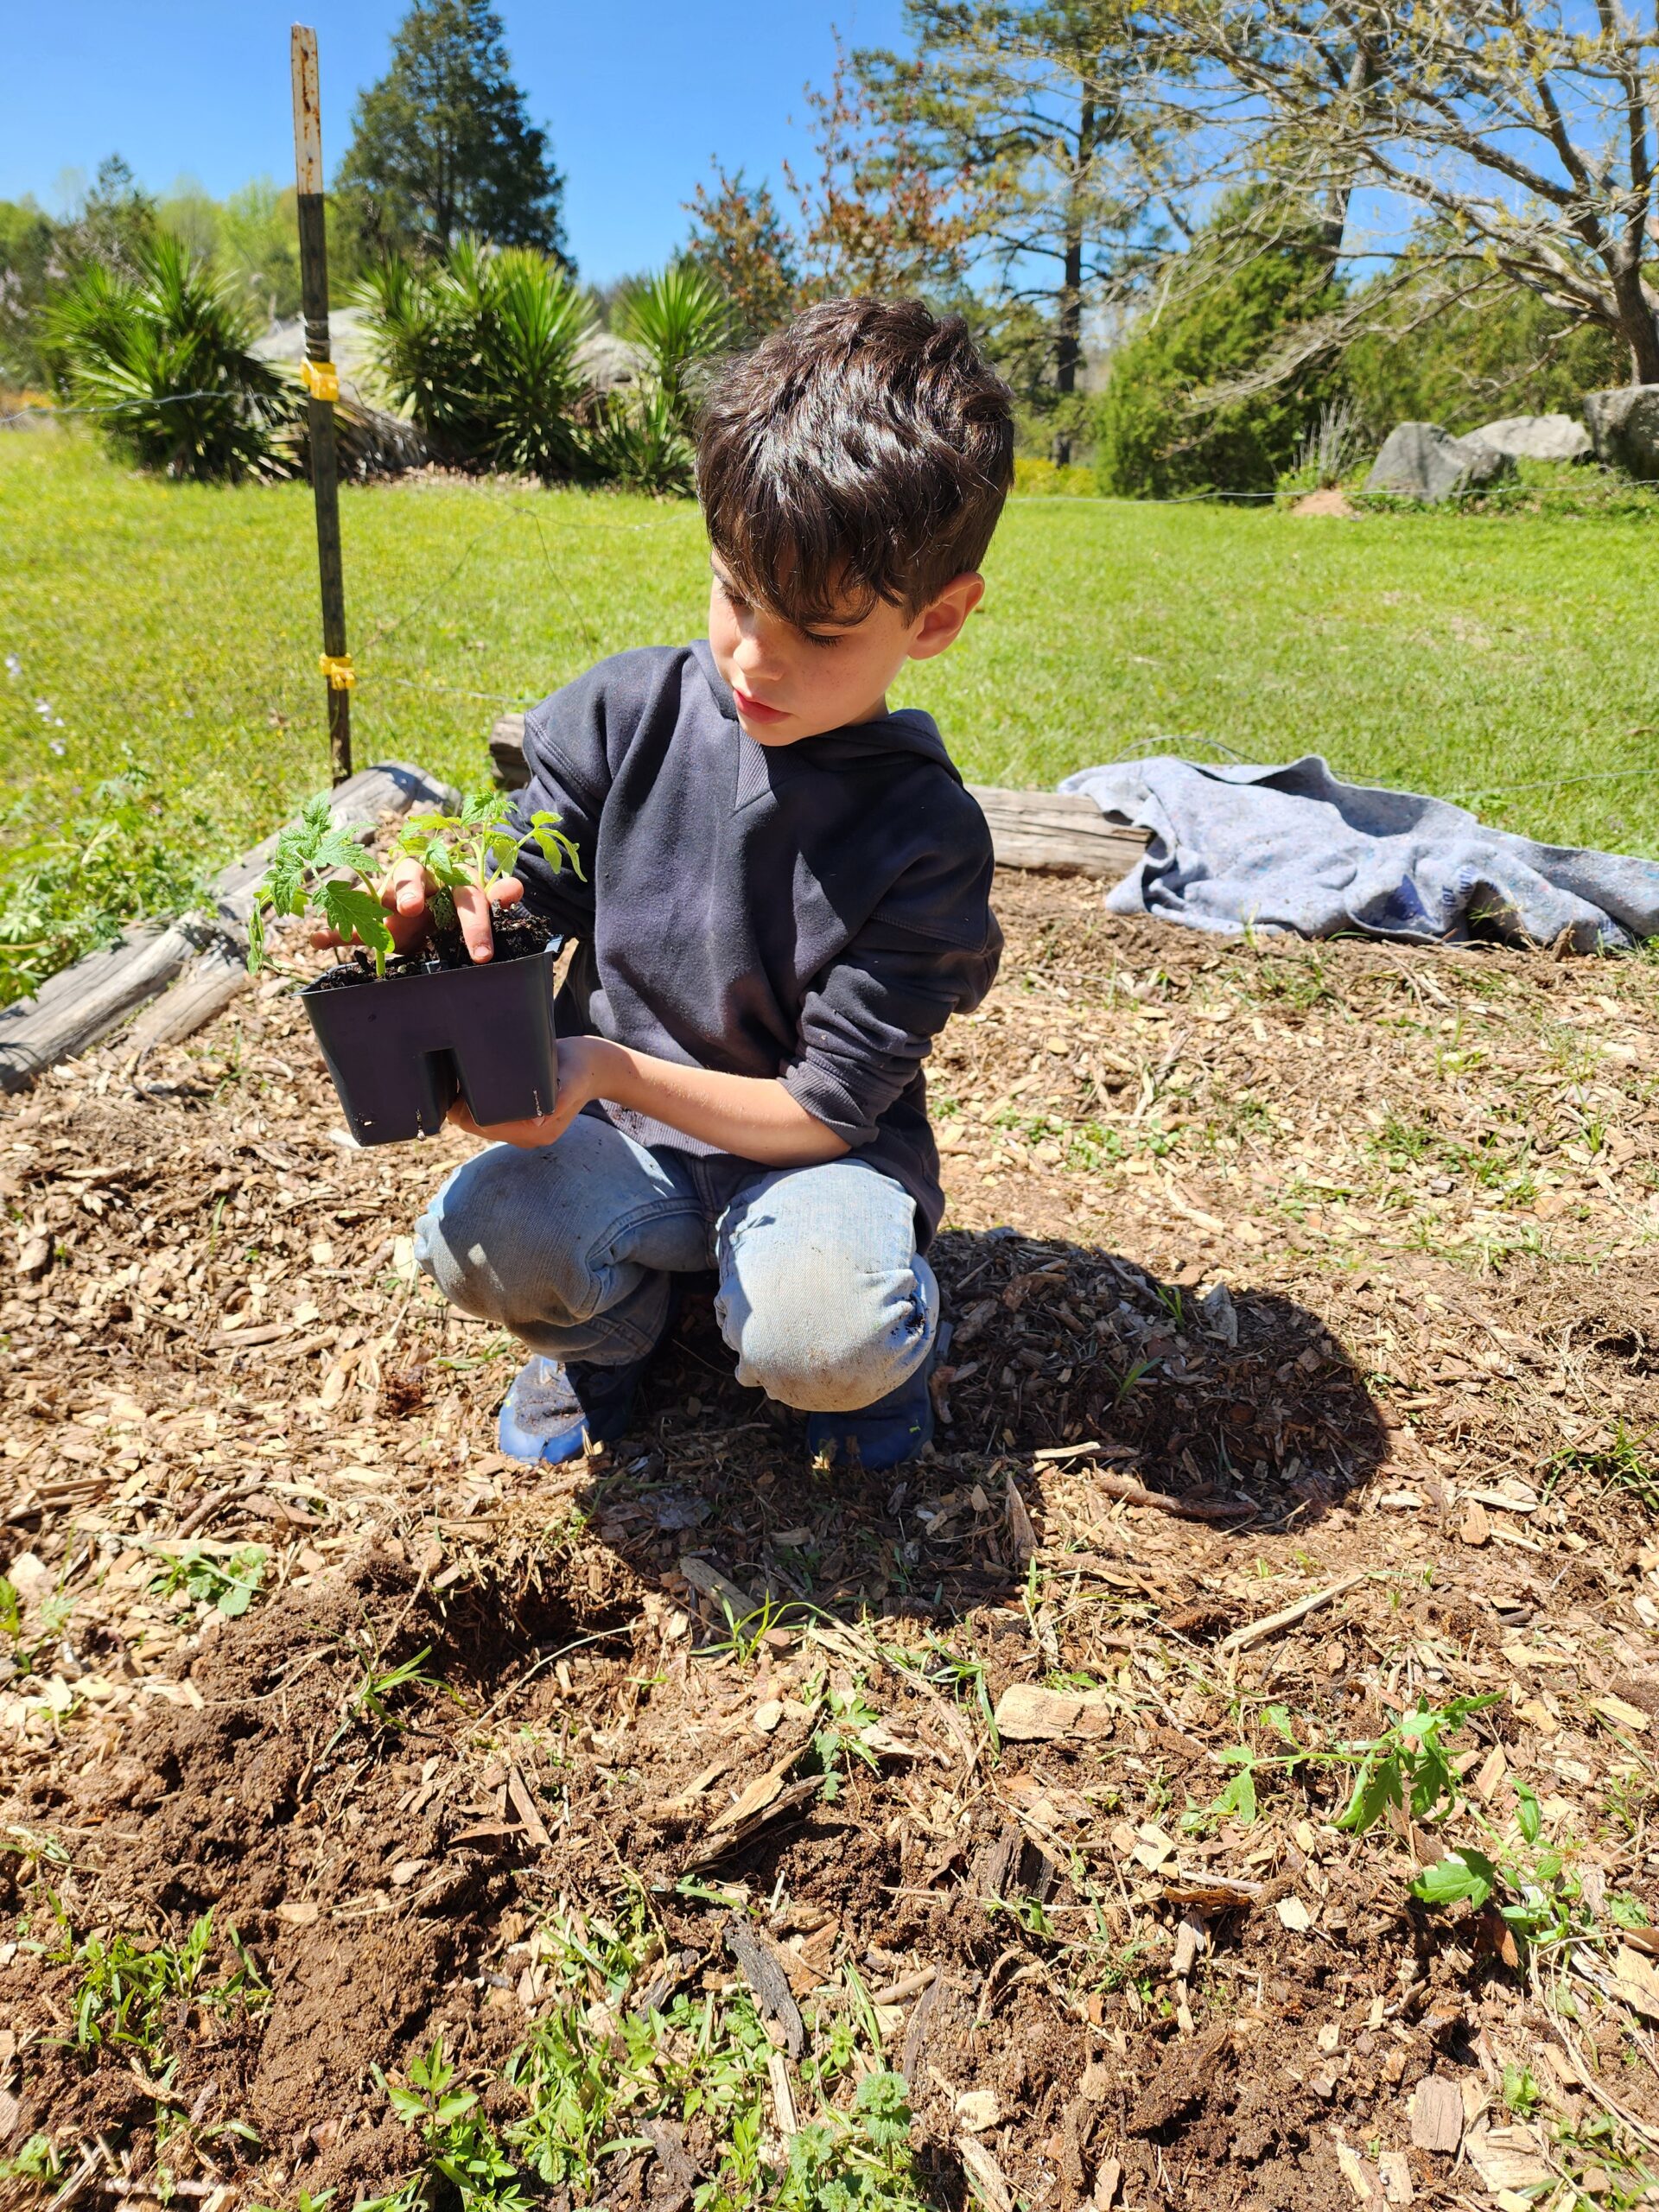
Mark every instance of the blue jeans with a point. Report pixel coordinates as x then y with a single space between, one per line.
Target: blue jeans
822 1295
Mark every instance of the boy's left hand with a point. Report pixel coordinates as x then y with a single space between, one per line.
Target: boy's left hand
579 1060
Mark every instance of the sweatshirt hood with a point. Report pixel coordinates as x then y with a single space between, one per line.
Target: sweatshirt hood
909 729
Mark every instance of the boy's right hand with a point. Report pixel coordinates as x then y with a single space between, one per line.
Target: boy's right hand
404 892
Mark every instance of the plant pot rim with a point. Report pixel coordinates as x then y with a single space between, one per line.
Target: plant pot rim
426 973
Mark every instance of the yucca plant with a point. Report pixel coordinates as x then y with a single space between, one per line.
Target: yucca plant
637 438
481 348
680 321
167 349
642 436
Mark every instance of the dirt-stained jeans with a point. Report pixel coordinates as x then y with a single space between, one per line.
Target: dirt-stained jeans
823 1294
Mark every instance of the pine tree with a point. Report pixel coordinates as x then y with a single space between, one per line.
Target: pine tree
443 144
1044 116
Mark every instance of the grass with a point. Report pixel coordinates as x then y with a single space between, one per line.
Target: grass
598 2066
171 633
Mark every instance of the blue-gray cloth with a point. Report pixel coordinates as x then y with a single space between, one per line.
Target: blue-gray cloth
1293 847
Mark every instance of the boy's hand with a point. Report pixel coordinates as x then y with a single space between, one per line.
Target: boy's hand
580 1060
404 892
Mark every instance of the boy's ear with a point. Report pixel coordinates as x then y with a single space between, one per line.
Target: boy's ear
940 624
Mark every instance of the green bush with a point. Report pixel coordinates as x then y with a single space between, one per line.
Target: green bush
165 349
1036 477
1489 353
1156 434
77 888
642 436
481 348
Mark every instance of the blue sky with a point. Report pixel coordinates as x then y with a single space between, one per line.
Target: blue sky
637 95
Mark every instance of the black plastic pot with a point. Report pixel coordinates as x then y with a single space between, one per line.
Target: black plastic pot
402 1048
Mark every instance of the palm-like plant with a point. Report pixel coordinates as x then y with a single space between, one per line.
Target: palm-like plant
167 349
679 322
481 348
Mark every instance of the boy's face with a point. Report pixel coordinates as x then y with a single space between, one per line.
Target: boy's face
791 683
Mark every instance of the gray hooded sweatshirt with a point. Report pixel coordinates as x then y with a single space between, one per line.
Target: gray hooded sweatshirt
815 911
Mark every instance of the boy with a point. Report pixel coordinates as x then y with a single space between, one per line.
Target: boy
786 897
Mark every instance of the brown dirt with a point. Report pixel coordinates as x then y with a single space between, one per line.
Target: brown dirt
1424 1185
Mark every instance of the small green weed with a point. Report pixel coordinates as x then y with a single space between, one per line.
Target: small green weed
130 1987
231 1584
54 1612
369 1700
844 1734
458 2144
38 2160
1630 1463
858 2161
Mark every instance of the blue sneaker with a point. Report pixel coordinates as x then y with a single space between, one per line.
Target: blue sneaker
554 1410
883 1435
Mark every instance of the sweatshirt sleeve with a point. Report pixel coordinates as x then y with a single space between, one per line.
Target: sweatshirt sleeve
566 751
930 950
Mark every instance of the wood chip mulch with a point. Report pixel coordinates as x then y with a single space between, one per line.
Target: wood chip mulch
1304 1331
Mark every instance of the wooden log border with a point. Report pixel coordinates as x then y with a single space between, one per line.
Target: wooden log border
196 961
84 1001
1056 833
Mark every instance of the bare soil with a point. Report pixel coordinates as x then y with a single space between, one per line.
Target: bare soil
1272 1271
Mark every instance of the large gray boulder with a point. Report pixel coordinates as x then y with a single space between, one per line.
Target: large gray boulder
1624 425
1420 460
1536 437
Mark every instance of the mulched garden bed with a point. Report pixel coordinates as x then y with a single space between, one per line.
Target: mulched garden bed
681 1792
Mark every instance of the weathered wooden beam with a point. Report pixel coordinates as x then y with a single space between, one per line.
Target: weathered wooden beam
205 987
81 1003
1058 833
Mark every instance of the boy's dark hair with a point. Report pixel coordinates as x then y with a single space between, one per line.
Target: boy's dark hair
862 453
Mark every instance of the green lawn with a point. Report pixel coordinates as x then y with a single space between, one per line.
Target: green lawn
173 630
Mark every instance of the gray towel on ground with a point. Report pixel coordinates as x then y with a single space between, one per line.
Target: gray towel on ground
1293 847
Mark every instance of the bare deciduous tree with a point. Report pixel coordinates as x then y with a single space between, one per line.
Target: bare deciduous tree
1522 131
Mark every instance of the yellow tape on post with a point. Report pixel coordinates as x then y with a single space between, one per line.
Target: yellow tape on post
321 378
337 667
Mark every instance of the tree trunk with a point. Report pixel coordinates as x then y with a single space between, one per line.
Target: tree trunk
1637 325
1068 351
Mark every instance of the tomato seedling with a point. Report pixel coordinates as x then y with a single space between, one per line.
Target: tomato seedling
322 868
478 848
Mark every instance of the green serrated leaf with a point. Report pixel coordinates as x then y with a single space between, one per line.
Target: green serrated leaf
352 911
1466 1874
543 830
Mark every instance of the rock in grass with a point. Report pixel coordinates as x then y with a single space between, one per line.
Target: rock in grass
1537 437
1624 425
1420 460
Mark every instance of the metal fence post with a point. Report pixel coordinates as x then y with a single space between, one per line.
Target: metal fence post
322 389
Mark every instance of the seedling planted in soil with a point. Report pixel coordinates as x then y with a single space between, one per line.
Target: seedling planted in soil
476 847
